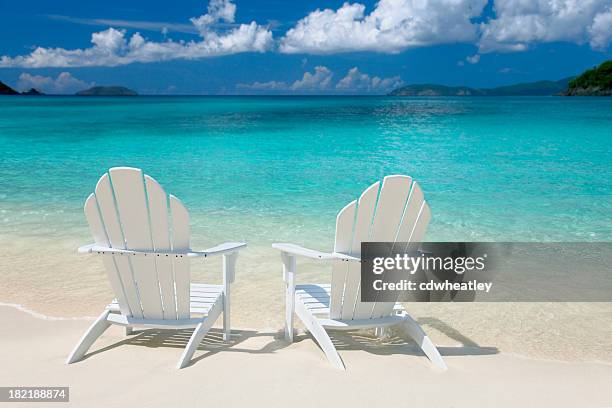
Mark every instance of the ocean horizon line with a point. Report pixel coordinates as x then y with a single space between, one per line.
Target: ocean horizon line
297 96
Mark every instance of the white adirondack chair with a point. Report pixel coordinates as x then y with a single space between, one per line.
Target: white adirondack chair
398 213
146 254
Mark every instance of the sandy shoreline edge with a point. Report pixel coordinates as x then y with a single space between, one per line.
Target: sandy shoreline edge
263 370
300 331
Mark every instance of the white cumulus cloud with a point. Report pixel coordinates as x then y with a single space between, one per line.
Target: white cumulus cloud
318 80
356 81
64 83
390 26
474 59
520 23
218 10
600 31
265 86
321 81
113 47
393 26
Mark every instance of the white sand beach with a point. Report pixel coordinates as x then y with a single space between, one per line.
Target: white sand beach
258 368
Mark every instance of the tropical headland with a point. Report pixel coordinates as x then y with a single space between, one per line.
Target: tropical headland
593 82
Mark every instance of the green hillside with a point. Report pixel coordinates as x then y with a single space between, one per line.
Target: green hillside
539 88
596 82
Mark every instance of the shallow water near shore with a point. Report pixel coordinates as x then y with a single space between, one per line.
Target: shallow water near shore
267 169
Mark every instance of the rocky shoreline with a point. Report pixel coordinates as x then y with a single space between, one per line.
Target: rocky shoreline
592 91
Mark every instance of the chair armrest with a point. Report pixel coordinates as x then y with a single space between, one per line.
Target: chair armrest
86 249
345 257
294 249
217 250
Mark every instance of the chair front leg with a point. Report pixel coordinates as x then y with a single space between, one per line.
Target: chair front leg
289 267
95 330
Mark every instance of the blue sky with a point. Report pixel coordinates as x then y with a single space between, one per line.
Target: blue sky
312 47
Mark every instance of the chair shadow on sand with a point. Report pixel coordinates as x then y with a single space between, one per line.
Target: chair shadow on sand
394 343
212 344
397 342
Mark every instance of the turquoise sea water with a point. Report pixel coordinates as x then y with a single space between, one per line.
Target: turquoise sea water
265 169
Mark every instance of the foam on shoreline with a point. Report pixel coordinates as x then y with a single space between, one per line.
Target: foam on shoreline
38 315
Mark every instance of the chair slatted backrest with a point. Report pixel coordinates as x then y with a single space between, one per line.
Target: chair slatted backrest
395 212
129 210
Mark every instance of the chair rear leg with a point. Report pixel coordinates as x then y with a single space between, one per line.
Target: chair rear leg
289 267
229 271
91 335
227 330
415 331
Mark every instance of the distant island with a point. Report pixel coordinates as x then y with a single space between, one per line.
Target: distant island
94 91
539 88
593 82
107 91
7 90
